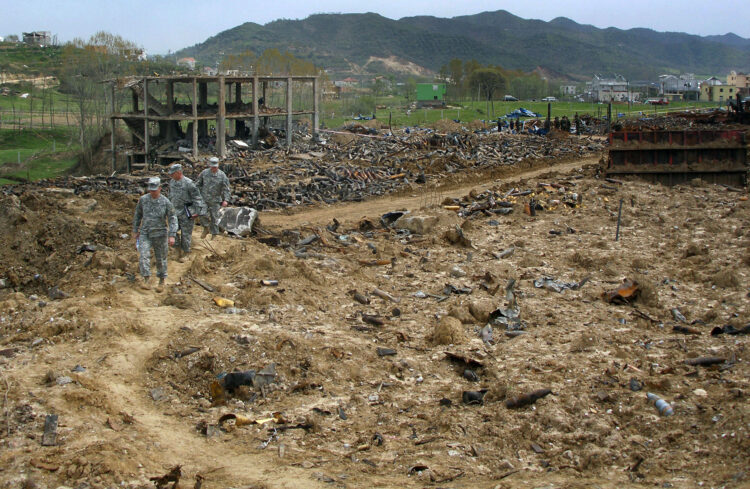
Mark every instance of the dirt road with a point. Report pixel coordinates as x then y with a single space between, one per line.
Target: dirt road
417 198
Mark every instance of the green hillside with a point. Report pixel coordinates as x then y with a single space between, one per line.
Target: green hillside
340 42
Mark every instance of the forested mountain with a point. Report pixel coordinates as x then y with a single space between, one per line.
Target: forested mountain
371 42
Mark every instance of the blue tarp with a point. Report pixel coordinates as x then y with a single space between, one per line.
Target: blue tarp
521 112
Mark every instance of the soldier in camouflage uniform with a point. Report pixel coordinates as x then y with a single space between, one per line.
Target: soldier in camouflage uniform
214 186
188 204
152 215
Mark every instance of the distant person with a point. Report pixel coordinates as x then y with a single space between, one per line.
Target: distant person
214 187
189 206
154 227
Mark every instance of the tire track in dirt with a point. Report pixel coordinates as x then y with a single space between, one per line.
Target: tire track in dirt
422 197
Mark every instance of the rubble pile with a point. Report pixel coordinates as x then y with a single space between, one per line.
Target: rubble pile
345 170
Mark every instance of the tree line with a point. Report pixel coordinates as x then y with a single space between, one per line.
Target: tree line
470 80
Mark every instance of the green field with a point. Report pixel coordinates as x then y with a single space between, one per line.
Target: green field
334 115
43 153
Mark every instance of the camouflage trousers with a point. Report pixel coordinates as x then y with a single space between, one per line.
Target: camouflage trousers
185 236
211 219
159 245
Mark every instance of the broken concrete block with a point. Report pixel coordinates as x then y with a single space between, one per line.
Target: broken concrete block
417 224
237 220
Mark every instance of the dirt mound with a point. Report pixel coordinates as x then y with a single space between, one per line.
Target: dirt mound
43 238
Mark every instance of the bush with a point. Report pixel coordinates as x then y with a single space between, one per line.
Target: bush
364 105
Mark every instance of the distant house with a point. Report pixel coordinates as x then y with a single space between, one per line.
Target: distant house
680 87
208 71
345 86
567 90
713 81
37 38
717 93
741 81
430 94
186 62
346 83
614 89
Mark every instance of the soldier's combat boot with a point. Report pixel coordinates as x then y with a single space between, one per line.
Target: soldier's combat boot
160 287
144 283
180 256
205 232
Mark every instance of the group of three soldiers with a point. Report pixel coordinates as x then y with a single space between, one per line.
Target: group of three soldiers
158 219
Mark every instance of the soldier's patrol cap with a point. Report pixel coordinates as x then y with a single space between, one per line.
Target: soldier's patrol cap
154 183
213 161
174 168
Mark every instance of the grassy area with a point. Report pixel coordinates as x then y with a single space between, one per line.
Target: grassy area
22 58
43 153
333 114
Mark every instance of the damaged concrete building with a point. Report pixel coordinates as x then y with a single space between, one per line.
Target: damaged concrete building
173 117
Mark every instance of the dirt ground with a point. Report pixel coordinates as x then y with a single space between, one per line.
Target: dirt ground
129 372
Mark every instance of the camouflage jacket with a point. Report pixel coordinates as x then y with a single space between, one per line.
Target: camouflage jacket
153 215
214 188
184 192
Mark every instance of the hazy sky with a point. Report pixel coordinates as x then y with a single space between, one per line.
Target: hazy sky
162 25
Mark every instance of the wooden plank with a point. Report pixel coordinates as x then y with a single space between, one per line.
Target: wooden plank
202 284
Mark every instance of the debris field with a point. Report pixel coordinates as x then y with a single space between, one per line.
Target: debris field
481 329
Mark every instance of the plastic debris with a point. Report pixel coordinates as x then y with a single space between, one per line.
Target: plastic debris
550 283
661 405
222 302
49 438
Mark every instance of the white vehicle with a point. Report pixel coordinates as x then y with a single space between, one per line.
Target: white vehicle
549 99
510 98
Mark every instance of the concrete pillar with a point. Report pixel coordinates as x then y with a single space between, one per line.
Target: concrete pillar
112 129
255 111
239 124
316 109
265 101
203 101
170 133
195 118
145 120
221 119
289 112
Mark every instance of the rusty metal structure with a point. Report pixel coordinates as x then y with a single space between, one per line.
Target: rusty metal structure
676 156
189 121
